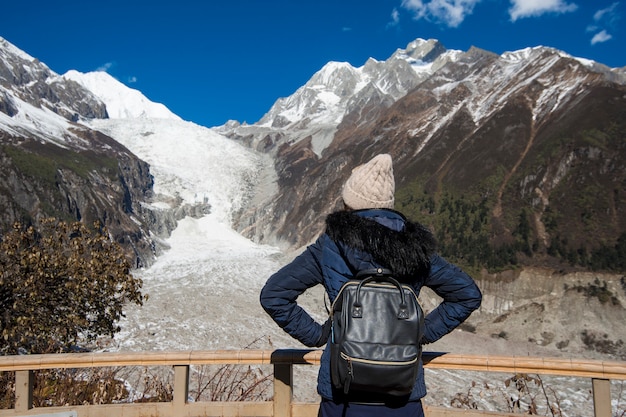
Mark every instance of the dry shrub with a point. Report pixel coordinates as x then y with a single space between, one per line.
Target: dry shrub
152 385
63 387
229 383
7 389
92 386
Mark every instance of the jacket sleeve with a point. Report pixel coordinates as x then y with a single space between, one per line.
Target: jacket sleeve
461 296
278 297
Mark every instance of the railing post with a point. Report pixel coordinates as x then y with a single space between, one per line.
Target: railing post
24 382
283 389
601 397
181 389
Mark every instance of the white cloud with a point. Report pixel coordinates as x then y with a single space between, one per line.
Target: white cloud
395 18
600 37
534 8
132 79
449 12
606 14
604 18
105 67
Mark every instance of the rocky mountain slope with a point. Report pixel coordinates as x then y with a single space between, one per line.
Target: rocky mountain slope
517 162
520 156
54 166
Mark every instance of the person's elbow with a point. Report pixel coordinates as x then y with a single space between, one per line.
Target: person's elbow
268 299
264 300
474 298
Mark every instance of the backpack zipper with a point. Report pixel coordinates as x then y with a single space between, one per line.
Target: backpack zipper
349 359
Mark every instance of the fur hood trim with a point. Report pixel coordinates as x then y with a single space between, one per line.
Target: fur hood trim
406 252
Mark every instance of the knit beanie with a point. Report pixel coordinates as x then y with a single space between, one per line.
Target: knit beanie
371 185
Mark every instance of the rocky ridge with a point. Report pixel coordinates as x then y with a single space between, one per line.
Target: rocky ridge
54 166
518 129
535 134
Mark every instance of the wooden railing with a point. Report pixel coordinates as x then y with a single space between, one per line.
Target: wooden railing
282 405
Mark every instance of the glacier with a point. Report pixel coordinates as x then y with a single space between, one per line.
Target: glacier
197 286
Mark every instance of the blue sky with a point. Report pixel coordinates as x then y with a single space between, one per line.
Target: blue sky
210 61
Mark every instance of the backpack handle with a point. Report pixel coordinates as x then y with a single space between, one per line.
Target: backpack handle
380 274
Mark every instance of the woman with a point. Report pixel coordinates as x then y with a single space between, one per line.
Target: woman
368 234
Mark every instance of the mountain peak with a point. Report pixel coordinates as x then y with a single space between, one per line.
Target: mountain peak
30 91
122 102
315 109
7 48
424 50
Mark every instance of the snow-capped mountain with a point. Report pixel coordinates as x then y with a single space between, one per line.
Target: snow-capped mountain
197 171
178 203
35 101
121 101
440 112
46 118
38 101
340 93
338 89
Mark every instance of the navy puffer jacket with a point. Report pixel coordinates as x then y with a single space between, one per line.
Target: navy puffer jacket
365 239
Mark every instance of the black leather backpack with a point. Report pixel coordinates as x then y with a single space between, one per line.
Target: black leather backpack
377 326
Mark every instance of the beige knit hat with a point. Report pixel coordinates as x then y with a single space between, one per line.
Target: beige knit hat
371 185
